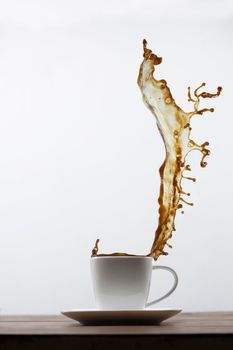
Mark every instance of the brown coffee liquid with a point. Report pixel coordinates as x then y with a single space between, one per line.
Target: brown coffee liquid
174 126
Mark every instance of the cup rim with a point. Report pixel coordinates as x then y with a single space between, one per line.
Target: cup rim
122 257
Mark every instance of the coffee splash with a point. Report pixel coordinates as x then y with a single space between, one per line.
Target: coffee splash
174 126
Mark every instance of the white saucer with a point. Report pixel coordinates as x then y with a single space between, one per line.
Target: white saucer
118 317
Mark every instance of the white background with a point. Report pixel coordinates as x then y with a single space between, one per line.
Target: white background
80 153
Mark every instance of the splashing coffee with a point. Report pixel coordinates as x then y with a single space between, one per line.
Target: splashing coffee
174 126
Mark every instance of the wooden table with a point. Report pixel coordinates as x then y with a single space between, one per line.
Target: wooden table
185 331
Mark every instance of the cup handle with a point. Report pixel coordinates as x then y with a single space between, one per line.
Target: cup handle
171 290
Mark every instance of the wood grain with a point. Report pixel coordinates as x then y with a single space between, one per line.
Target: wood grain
184 323
185 331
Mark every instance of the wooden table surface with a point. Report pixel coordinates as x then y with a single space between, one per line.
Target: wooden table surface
185 331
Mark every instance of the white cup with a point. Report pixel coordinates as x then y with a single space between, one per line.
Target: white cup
123 282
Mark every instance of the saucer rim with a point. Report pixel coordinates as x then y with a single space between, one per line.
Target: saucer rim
122 310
